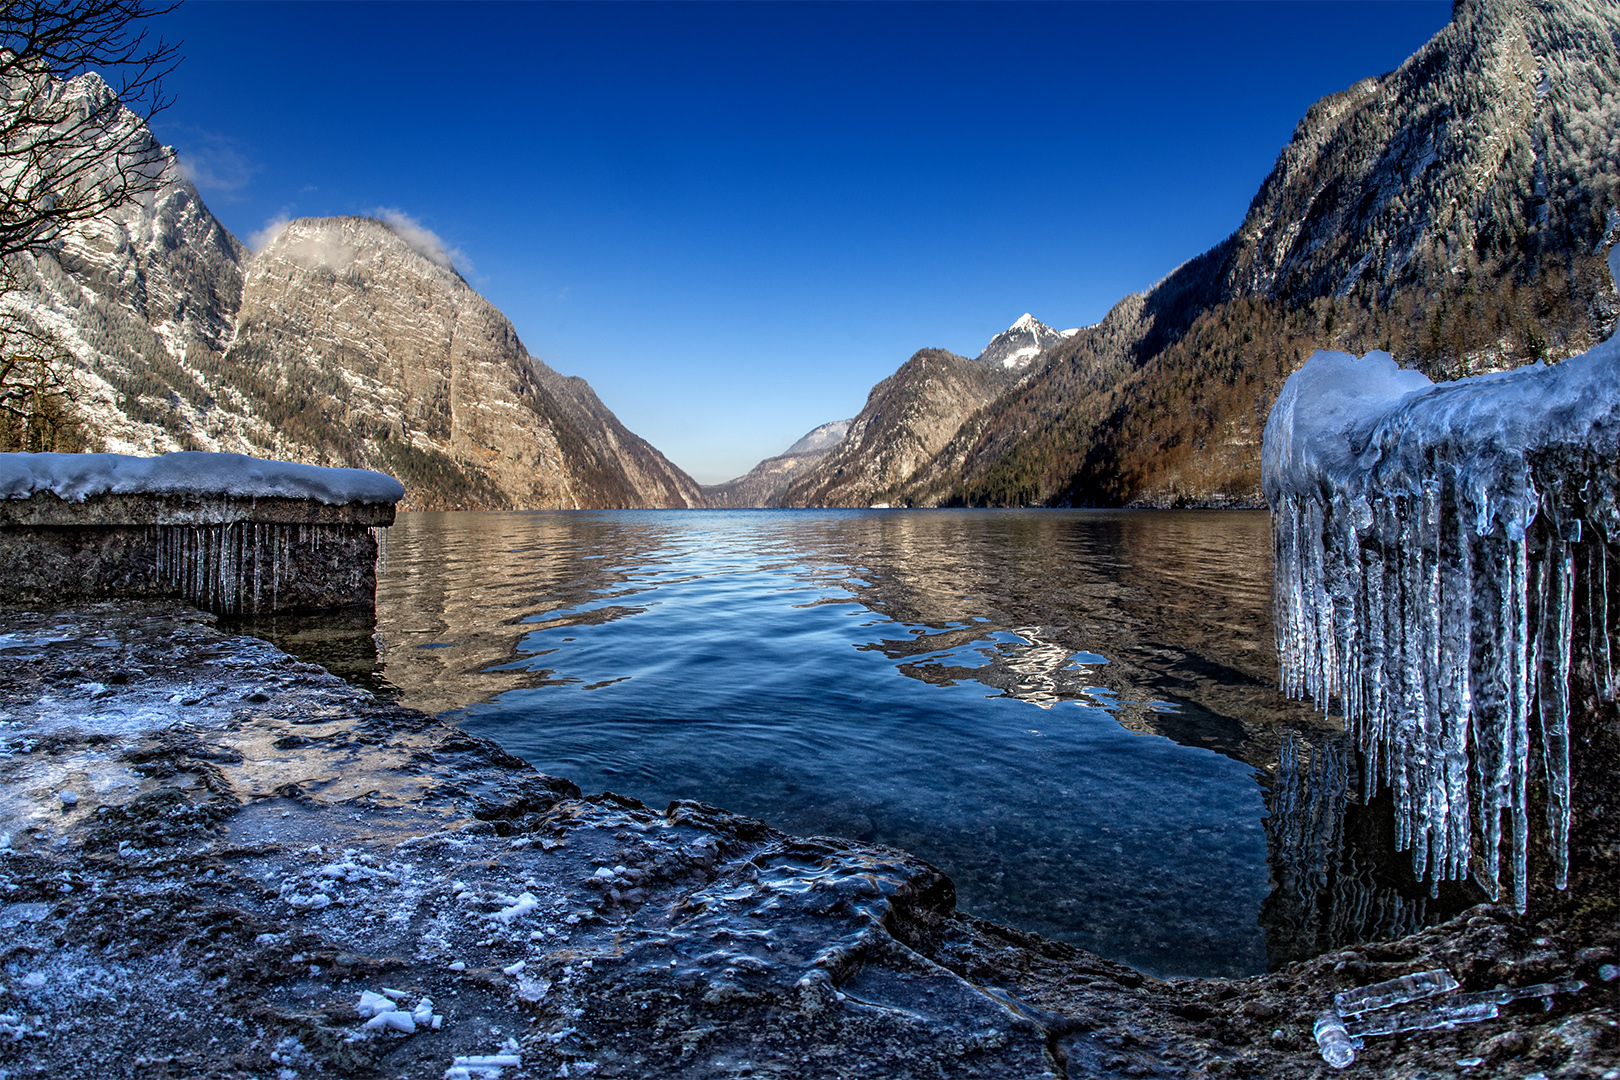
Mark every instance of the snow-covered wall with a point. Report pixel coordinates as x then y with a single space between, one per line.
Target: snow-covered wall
227 532
1441 552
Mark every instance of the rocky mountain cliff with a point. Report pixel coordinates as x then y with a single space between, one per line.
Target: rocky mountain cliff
762 486
359 347
907 420
1454 211
339 344
1022 342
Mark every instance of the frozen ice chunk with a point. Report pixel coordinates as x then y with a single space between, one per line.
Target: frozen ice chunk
370 1004
1337 1046
1405 518
518 908
392 1020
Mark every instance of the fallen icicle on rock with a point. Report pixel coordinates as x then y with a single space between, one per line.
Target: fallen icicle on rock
1375 1010
484 1066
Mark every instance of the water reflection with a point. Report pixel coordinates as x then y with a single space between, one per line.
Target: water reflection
1336 876
749 660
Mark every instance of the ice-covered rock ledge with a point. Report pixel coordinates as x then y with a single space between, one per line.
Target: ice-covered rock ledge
228 532
1443 571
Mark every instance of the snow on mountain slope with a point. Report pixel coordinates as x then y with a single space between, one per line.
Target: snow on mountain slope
821 439
1021 342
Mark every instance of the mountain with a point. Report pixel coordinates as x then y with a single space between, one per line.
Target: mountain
343 342
362 346
1454 211
1022 342
908 418
911 416
763 485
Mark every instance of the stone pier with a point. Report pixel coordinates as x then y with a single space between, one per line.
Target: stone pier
231 534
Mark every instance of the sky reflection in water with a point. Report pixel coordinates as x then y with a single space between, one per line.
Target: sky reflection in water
1064 710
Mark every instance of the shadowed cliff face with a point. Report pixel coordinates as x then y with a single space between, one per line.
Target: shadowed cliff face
365 350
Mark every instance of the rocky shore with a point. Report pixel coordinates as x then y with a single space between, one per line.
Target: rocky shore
217 861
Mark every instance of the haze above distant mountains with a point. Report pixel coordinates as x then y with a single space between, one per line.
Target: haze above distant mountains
1455 211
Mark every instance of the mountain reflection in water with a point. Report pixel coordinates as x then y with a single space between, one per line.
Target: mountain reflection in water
971 686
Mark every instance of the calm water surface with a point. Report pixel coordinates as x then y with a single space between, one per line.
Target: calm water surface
1070 712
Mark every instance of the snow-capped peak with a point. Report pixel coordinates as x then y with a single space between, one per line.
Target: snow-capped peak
1020 343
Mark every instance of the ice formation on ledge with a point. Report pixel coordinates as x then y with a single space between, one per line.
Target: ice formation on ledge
1435 546
76 477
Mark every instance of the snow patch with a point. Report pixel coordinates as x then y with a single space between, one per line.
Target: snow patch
75 477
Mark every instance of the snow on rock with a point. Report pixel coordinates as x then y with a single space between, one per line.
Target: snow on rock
1430 564
76 477
516 908
1020 343
383 1013
821 439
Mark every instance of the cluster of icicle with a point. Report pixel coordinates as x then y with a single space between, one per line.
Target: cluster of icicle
1436 546
234 568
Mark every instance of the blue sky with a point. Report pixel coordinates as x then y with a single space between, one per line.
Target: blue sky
734 219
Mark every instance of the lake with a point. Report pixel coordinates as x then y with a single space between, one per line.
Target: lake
1072 713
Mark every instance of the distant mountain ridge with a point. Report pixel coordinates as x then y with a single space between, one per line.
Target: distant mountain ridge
907 419
341 343
762 486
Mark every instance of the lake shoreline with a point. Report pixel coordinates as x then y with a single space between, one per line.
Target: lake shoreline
249 843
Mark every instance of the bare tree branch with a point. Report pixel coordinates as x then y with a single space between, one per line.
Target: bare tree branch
78 80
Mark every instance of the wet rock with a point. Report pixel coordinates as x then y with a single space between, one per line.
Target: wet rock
245 874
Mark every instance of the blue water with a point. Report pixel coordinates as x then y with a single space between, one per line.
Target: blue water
1065 711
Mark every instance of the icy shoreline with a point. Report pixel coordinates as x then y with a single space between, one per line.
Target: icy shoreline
248 846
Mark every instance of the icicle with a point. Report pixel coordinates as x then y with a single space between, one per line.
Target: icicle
1597 607
1419 607
1557 629
1396 991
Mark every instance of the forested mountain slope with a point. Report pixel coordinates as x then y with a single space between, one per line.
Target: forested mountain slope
1455 212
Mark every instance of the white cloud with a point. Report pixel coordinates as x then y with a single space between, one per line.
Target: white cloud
272 229
424 240
312 251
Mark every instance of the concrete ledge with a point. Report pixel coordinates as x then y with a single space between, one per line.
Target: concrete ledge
241 567
227 532
44 508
